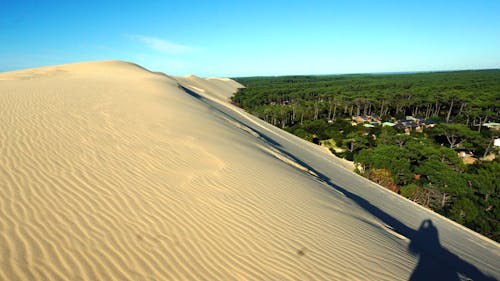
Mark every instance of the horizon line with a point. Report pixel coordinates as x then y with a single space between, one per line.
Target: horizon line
372 73
278 75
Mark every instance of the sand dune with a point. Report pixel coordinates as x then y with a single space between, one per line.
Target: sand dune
220 89
111 172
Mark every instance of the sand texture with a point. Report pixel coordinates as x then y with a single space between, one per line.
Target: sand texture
111 172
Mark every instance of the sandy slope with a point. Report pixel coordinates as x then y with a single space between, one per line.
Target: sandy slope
220 89
111 172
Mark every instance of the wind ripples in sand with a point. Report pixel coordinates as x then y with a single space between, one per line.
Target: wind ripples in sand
110 172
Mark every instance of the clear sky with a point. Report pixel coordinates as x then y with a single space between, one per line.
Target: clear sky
258 37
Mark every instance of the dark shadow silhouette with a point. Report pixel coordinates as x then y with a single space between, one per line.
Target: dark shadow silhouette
435 262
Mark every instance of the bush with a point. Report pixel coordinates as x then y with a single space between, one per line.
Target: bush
409 191
384 178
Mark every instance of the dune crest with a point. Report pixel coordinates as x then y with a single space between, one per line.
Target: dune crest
219 89
111 172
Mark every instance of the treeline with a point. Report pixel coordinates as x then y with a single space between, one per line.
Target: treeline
422 165
469 97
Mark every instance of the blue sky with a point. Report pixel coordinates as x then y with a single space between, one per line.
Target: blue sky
249 38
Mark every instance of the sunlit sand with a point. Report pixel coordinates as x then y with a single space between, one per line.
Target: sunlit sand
111 172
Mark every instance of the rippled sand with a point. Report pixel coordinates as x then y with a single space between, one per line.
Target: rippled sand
111 172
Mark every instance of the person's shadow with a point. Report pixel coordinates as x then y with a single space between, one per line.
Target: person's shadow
436 262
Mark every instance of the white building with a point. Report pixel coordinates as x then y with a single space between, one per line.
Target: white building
496 142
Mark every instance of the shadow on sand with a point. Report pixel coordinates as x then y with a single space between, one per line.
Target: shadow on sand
435 261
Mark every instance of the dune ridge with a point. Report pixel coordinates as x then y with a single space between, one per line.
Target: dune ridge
111 172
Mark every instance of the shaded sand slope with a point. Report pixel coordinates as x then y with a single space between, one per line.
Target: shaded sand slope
220 89
111 172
